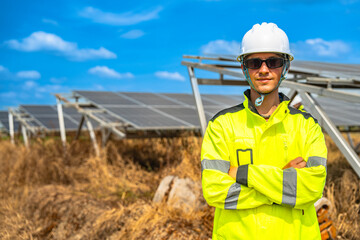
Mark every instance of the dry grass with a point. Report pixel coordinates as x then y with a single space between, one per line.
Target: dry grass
48 194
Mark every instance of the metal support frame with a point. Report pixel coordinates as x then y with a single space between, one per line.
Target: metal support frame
92 135
331 129
11 127
61 122
80 127
198 101
25 137
296 87
105 135
25 127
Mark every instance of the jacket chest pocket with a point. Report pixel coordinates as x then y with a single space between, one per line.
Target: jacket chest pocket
242 152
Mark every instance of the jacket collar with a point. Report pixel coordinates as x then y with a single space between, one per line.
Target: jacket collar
280 111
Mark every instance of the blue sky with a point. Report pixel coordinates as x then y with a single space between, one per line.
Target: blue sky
57 46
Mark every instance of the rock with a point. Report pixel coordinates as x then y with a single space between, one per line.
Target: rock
163 189
180 193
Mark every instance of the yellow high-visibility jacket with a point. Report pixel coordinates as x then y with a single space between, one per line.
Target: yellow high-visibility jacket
265 202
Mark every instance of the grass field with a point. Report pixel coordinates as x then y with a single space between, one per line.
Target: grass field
46 193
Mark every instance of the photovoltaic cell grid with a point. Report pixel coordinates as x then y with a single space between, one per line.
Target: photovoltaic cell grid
4 120
327 69
158 110
340 112
47 116
178 111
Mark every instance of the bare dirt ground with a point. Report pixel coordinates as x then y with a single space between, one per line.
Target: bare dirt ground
48 194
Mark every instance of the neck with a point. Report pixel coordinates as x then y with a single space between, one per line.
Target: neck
270 103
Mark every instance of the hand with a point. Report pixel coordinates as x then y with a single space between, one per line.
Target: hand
298 162
232 172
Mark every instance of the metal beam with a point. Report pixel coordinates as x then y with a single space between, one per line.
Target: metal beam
105 133
198 101
208 81
331 129
350 97
24 133
61 122
80 127
92 136
11 126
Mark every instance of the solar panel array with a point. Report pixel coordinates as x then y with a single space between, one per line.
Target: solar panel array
4 120
158 110
46 116
327 69
342 113
178 111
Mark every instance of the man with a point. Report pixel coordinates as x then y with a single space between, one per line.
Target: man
263 162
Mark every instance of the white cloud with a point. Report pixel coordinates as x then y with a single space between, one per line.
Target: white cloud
50 21
7 95
99 87
28 74
42 41
320 47
29 85
133 34
119 19
221 47
2 68
169 75
58 80
104 71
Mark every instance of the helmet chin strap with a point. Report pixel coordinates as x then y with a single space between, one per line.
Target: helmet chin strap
260 99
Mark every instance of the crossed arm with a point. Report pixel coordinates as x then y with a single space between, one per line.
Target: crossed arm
298 184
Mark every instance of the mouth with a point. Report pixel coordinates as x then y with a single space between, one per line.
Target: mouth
263 79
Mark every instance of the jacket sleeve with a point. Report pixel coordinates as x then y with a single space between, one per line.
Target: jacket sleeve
219 189
298 188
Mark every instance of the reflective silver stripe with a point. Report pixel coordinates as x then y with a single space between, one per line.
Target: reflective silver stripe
232 196
316 161
289 187
220 165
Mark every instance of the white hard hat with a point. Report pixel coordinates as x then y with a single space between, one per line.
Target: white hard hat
267 37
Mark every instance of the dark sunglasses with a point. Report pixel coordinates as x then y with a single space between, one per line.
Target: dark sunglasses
255 63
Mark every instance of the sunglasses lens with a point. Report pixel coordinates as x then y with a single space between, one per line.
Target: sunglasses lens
253 63
274 62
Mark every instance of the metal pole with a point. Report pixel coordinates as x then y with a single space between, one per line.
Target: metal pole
331 129
198 102
61 122
11 127
23 130
80 127
92 136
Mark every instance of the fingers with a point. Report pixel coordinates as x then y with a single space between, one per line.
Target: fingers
301 164
298 162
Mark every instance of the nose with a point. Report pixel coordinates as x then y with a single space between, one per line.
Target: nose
264 69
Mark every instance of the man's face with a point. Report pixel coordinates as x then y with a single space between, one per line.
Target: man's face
265 79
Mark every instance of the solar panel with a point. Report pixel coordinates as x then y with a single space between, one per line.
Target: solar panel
224 100
150 99
4 119
39 110
327 69
47 116
188 99
178 110
340 112
105 98
186 114
146 118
